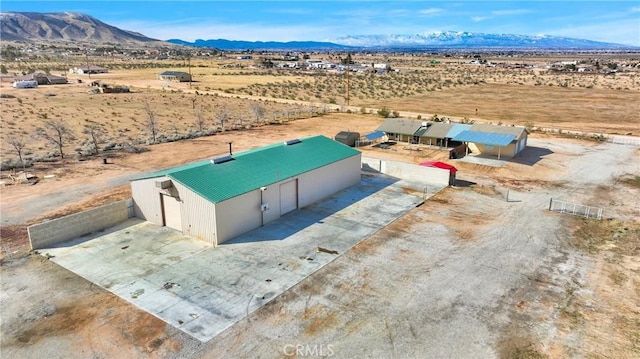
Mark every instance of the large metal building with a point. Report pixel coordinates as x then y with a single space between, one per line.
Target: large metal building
217 200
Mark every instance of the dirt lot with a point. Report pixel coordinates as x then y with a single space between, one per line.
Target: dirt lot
512 278
468 274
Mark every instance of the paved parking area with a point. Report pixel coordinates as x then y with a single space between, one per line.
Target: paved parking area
202 290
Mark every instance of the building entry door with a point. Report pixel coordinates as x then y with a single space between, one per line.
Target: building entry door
171 213
288 196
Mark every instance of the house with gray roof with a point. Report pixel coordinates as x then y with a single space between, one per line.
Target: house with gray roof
218 199
488 139
175 76
43 79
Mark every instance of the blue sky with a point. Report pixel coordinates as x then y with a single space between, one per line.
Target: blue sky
608 21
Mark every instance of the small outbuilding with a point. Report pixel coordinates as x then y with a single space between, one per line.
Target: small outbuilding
219 199
89 69
444 166
175 76
43 79
348 138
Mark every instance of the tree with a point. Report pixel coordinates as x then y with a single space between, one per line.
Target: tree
17 145
222 116
258 111
3 69
384 112
57 133
199 121
95 134
347 61
152 122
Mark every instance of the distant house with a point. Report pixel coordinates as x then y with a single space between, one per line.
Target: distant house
43 79
493 140
175 76
244 57
496 140
90 69
25 84
401 129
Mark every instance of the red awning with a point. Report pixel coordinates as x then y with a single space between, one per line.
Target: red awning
442 165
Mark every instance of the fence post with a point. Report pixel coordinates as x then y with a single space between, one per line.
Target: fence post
550 203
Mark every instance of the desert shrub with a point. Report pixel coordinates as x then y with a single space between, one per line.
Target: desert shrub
384 112
14 163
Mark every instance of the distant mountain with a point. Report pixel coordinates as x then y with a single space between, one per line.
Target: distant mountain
64 26
260 45
454 39
436 40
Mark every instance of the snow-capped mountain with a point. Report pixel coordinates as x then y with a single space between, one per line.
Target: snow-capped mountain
460 39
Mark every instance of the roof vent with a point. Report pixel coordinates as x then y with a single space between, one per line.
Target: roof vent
219 160
292 142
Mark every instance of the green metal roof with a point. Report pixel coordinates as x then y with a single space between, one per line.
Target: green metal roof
259 167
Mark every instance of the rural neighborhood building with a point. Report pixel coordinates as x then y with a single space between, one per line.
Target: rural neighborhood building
28 84
500 141
494 140
217 200
43 79
401 129
89 69
348 138
175 76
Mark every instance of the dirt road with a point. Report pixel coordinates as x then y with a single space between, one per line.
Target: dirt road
468 274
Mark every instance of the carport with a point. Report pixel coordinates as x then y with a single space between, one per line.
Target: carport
499 140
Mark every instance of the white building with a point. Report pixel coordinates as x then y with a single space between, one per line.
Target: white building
217 200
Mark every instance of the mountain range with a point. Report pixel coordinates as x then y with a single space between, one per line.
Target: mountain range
77 27
63 27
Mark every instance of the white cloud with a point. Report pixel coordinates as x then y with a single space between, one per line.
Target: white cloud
480 18
431 11
635 9
510 12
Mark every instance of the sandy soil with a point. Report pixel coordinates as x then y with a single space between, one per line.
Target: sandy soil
509 279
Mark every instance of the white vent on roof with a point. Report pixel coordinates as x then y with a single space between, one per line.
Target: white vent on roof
219 160
292 142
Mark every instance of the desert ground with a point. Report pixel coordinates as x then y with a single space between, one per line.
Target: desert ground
468 274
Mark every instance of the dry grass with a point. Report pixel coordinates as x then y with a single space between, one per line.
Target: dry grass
612 235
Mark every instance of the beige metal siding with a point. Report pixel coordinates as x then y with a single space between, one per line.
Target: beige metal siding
288 196
238 215
172 212
198 215
146 200
325 181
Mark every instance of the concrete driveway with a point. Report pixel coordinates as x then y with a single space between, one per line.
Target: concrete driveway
202 290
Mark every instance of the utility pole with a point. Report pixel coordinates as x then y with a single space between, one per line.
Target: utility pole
348 61
190 78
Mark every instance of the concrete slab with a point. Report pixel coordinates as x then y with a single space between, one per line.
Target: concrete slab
483 160
202 290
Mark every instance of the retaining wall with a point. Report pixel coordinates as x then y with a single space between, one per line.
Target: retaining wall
50 233
407 171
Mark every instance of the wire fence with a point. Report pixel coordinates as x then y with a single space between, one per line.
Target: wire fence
575 209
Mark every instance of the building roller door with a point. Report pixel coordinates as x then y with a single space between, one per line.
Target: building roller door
288 196
171 212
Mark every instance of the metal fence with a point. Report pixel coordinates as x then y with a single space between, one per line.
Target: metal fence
575 209
624 140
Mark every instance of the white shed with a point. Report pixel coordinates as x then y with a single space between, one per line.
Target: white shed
217 200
